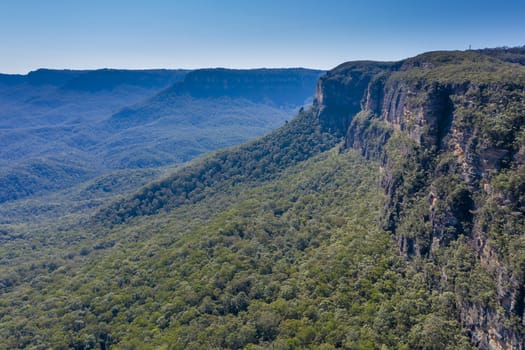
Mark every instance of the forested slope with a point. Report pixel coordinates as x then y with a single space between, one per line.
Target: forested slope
389 215
62 130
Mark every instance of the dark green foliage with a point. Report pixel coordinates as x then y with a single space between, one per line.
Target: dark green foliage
448 130
509 54
25 215
368 134
63 129
39 176
280 243
297 262
259 160
455 67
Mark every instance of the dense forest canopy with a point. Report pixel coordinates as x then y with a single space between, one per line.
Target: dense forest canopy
388 215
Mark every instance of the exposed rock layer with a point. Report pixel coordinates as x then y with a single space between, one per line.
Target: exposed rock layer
448 129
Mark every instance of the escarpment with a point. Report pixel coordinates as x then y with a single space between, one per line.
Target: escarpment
339 94
448 129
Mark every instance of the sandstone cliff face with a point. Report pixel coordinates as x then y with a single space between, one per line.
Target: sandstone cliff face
339 94
449 132
280 87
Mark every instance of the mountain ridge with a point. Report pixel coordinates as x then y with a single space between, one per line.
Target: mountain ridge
456 119
410 116
87 124
387 215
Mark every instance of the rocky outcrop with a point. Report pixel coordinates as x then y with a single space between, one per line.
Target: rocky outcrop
340 94
448 131
281 87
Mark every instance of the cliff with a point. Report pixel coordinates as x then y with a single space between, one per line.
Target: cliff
214 90
280 87
448 130
95 80
387 215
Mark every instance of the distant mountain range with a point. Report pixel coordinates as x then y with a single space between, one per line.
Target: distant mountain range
388 214
62 128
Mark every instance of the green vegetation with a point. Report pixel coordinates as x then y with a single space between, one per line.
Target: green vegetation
390 215
460 67
450 139
62 130
287 256
297 262
255 161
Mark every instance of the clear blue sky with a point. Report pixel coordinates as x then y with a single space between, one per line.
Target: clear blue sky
85 34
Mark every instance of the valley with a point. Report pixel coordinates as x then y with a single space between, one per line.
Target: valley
70 132
388 214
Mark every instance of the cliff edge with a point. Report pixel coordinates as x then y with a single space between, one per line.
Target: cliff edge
448 129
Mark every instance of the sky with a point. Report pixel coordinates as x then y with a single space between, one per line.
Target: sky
141 34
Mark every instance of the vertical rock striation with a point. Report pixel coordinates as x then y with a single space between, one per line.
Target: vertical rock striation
448 129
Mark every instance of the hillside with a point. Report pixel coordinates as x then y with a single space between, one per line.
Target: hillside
387 215
61 130
208 110
447 128
48 124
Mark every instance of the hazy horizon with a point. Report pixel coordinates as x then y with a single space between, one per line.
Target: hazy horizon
60 34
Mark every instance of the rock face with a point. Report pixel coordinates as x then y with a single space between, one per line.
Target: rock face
95 80
280 87
448 128
339 95
214 90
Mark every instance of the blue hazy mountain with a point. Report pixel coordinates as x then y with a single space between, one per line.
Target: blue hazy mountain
63 128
